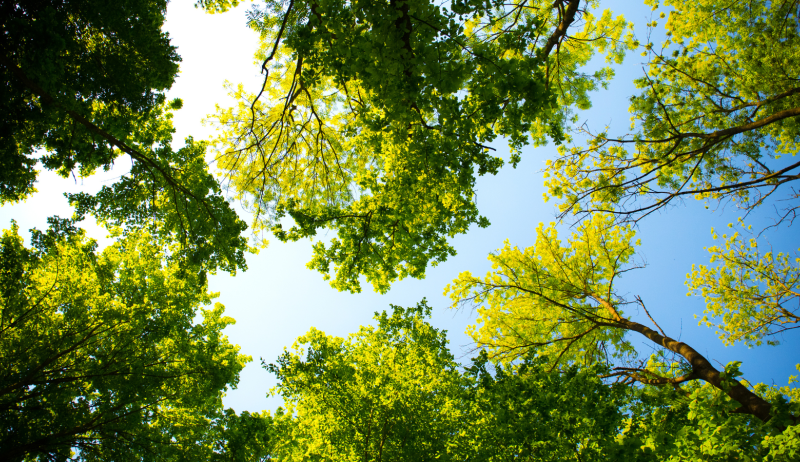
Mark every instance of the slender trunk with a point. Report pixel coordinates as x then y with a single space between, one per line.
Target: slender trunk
561 30
702 368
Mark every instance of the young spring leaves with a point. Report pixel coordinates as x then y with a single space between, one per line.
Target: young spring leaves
394 392
719 107
559 300
545 297
374 119
389 392
751 295
696 423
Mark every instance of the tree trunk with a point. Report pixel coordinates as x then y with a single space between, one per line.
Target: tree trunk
751 403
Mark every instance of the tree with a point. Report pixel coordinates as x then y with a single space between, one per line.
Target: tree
394 392
664 424
717 111
115 59
756 295
719 107
374 118
102 356
560 300
386 393
529 412
246 437
85 82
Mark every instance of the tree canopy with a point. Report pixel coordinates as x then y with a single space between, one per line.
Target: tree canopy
393 392
560 300
68 65
713 121
755 293
387 392
374 118
719 107
85 83
101 351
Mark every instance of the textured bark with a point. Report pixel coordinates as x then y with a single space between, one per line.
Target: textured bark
702 368
566 20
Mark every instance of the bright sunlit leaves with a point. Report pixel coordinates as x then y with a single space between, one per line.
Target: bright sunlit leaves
375 119
717 109
751 295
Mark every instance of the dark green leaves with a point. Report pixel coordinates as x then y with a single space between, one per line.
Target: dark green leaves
86 83
101 352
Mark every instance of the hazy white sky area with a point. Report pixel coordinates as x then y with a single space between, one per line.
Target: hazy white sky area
278 299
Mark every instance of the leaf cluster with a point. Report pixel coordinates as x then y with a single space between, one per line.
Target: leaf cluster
86 83
754 295
101 350
374 119
718 108
108 62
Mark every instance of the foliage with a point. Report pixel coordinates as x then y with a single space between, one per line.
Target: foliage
785 446
713 120
544 297
394 392
244 437
718 109
528 412
102 356
753 295
374 118
560 301
366 398
217 6
197 216
696 424
85 83
113 56
385 393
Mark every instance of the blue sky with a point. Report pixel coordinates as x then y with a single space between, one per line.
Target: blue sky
278 299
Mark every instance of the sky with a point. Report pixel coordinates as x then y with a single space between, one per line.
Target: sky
278 299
